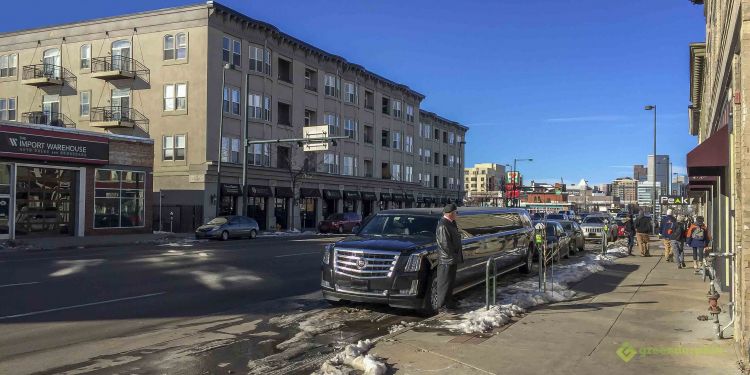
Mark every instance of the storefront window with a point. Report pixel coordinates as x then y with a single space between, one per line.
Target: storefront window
280 211
256 209
45 201
119 199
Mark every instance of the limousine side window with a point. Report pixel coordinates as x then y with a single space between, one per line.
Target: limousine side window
477 225
509 221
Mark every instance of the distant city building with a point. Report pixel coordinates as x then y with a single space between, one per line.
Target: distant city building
659 172
483 182
640 173
679 184
645 192
625 188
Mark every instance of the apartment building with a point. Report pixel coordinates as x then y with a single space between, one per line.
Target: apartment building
626 189
483 183
200 79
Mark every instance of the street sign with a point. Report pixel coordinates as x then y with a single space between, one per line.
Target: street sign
315 132
676 200
321 146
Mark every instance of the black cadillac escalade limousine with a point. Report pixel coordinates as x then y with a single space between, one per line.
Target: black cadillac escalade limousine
392 258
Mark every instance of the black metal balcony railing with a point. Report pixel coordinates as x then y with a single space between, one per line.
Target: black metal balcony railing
49 71
48 118
118 114
120 63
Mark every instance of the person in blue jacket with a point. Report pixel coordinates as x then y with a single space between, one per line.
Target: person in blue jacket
698 238
668 225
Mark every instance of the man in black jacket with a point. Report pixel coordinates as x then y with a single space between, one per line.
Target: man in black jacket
451 254
643 228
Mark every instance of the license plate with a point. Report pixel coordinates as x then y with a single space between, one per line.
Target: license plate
354 284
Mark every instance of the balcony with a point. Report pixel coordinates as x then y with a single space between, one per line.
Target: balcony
48 118
117 117
40 75
118 67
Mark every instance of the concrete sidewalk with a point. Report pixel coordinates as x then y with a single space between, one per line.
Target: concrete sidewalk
634 304
70 242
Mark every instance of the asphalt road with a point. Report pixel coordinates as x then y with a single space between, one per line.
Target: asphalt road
63 309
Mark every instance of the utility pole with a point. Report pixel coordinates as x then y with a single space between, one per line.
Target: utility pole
221 133
243 189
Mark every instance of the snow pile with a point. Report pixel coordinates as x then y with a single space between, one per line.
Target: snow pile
353 357
517 297
401 326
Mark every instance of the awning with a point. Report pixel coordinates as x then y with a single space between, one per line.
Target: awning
369 196
351 195
332 194
409 197
284 192
259 191
309 193
444 200
398 197
231 190
709 157
385 197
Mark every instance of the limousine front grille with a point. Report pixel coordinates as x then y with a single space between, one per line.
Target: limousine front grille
365 264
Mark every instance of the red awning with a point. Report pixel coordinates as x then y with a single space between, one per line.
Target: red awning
712 153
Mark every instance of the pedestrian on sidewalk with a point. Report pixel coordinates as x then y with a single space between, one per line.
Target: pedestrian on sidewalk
665 232
698 238
451 255
642 230
629 224
678 240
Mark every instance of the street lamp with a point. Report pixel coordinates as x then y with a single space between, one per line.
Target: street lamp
585 199
459 169
221 131
653 181
515 200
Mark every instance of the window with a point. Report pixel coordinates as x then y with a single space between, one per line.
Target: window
445 137
451 183
424 130
285 70
332 85
283 155
436 181
451 138
174 148
427 155
437 158
169 52
397 140
385 171
175 47
369 135
119 199
175 97
445 159
260 60
230 150
445 182
330 163
259 107
427 180
385 138
369 99
311 80
8 109
409 113
386 106
86 56
458 139
408 173
421 158
285 113
310 118
397 108
231 101
259 155
225 100
396 172
349 166
409 145
8 65
368 168
181 46
451 160
267 108
332 120
85 100
231 51
350 128
437 134
350 93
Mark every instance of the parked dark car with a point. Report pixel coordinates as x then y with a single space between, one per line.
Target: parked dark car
226 227
340 223
558 240
537 216
392 259
575 233
557 217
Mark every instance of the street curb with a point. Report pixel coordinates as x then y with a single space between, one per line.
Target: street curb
20 248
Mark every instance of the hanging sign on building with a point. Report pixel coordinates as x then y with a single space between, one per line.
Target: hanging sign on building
20 143
676 200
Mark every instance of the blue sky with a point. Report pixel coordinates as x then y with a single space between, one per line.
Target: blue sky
562 82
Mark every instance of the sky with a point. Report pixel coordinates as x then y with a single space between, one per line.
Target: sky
561 82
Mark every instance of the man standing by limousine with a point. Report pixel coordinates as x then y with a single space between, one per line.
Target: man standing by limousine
451 255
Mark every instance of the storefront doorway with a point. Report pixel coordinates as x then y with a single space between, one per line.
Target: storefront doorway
45 201
5 180
281 212
307 212
256 209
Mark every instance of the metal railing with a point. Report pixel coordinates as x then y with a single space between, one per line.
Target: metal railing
49 71
121 63
48 118
115 113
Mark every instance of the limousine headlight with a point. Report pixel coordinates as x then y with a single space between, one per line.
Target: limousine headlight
414 263
327 254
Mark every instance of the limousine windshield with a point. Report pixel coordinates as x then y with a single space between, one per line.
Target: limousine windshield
400 225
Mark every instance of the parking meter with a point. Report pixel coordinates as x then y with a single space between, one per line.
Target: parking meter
605 235
171 221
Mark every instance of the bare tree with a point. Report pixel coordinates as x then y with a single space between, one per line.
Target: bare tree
299 170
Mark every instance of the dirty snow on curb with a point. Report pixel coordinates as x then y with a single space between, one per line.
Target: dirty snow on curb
516 298
353 357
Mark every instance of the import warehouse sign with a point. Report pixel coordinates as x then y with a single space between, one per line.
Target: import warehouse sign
47 145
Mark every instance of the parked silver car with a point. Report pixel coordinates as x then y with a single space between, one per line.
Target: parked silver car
226 227
575 233
593 227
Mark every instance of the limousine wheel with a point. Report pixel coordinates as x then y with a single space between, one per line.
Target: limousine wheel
430 301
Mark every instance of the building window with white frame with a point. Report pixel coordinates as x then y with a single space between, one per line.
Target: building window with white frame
175 97
332 120
427 180
350 92
85 56
408 173
409 113
451 160
396 172
427 155
230 150
8 65
427 134
409 144
396 112
260 59
332 85
348 169
231 51
119 198
396 138
350 128
259 155
330 163
267 108
451 138
175 46
421 158
451 183
85 103
173 147
8 109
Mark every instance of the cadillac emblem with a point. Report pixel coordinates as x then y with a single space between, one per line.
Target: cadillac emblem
361 263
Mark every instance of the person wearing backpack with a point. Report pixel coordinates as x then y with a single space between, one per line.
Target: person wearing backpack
629 224
678 240
665 232
642 230
698 238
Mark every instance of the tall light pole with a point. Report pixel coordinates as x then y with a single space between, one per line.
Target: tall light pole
515 200
459 169
585 199
653 182
221 132
243 208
